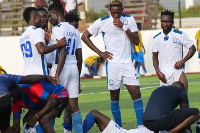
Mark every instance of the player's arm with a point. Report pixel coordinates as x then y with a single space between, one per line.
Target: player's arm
61 62
50 103
42 49
86 39
133 36
161 76
16 125
30 79
79 59
190 53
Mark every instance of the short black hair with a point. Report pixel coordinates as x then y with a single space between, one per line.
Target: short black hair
115 3
42 9
57 6
71 18
27 12
178 84
168 12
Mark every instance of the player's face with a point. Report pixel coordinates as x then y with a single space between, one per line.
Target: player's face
166 23
116 12
44 19
53 17
37 20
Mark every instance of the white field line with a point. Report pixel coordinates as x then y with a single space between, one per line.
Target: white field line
105 92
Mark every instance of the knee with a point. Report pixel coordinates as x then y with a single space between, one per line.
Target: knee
44 121
93 112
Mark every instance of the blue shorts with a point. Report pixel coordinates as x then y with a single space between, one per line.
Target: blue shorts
139 57
92 67
199 55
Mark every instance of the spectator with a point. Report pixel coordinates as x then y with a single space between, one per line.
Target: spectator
41 3
71 6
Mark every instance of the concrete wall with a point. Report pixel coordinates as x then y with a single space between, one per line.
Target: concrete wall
11 57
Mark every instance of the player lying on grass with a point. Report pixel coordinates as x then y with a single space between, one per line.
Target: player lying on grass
44 100
161 113
106 125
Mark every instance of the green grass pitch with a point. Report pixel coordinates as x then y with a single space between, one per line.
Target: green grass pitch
94 95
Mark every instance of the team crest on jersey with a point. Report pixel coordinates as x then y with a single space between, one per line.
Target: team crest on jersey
111 82
175 40
125 22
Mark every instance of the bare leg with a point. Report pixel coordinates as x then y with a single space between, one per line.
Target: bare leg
183 79
45 121
134 91
187 122
100 119
8 130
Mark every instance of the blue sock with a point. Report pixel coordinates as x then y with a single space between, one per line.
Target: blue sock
88 122
77 122
116 112
138 107
138 67
144 69
67 126
40 130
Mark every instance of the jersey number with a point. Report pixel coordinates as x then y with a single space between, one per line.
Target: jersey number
27 49
69 46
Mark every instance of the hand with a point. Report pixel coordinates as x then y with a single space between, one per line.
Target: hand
62 42
106 55
117 23
47 35
57 79
161 76
52 80
179 64
31 122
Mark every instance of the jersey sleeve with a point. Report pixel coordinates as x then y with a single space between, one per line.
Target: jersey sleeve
132 25
186 42
38 91
14 79
17 109
95 28
155 46
58 33
197 36
39 36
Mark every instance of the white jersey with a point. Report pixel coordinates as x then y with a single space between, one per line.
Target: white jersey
115 39
170 49
34 63
72 35
71 4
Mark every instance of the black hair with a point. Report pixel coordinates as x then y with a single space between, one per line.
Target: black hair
27 13
168 12
42 9
57 6
115 3
71 18
15 92
178 84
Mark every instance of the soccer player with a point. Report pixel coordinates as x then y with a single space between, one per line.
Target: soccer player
119 31
139 54
161 113
32 44
72 19
106 125
168 45
44 100
92 63
7 80
69 62
197 37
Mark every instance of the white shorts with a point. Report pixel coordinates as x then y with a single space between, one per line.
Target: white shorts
112 127
69 78
172 78
121 73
